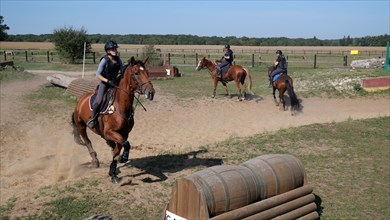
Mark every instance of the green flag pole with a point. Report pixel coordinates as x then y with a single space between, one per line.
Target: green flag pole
387 61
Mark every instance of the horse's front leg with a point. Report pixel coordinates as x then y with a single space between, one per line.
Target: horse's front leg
126 152
119 142
273 93
226 89
113 166
215 87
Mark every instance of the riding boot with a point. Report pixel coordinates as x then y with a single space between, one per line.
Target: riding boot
270 82
91 121
219 73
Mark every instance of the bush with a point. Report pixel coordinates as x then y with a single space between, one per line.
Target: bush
70 43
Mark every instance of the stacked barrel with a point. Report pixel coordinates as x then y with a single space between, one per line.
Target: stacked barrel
266 187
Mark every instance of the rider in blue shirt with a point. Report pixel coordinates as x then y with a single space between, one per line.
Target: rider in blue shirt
227 59
280 66
109 67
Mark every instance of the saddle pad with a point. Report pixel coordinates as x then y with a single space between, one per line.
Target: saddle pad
276 77
105 103
225 69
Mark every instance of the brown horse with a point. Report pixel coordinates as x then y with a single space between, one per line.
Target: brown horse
115 127
235 72
282 83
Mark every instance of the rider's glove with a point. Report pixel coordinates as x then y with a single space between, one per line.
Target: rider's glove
111 83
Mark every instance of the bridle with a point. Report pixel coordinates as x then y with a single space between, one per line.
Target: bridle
133 76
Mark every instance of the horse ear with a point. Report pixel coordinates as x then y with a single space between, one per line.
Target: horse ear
145 60
132 61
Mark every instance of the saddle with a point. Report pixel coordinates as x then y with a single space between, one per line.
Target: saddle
107 106
279 74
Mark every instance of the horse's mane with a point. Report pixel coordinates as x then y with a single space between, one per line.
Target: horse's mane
214 62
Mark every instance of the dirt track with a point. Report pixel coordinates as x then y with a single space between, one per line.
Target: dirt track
37 150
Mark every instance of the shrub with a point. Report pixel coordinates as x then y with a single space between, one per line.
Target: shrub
69 43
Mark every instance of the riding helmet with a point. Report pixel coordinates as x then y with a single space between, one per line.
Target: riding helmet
227 46
279 52
110 45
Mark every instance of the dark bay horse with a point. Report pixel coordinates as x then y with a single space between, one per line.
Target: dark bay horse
282 83
115 127
235 72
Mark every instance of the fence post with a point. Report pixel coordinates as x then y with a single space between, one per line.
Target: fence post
94 57
184 56
169 59
315 61
345 60
196 59
26 56
5 56
48 57
52 56
253 60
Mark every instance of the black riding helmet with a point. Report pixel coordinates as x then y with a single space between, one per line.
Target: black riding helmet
110 45
279 52
227 46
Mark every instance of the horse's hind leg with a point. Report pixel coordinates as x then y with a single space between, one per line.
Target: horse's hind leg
281 100
95 162
80 130
239 98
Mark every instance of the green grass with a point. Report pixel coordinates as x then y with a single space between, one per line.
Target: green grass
307 83
9 74
56 66
55 99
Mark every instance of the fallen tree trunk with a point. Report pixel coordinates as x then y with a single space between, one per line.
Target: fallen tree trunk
60 80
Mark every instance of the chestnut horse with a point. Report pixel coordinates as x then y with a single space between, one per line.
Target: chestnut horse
235 72
282 83
115 127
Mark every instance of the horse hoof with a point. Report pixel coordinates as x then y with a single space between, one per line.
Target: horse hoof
95 164
115 179
123 160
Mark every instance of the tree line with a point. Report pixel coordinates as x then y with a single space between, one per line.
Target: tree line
170 39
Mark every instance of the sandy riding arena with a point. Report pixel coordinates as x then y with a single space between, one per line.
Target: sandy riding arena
38 150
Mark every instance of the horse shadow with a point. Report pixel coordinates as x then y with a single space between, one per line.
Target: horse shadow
318 202
169 163
248 96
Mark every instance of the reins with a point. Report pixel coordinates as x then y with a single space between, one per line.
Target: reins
132 76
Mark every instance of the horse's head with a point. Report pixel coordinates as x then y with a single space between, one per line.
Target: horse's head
202 64
137 78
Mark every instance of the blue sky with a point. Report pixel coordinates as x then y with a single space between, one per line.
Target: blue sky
293 19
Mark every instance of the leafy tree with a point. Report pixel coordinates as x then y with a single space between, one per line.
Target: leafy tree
69 43
3 29
154 57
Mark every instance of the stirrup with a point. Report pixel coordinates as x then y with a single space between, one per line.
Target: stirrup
91 123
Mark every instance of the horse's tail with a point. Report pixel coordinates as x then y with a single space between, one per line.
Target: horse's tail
249 86
293 97
76 133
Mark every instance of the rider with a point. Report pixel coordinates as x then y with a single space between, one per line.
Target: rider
227 59
280 66
109 67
